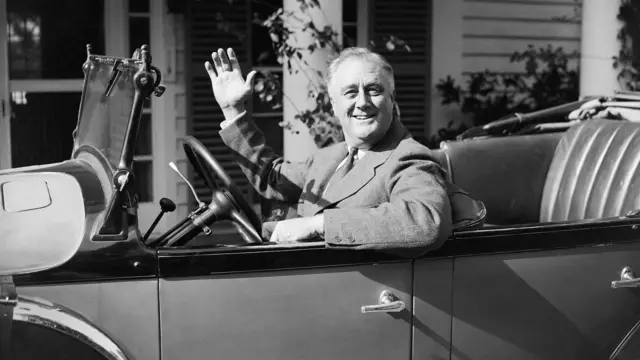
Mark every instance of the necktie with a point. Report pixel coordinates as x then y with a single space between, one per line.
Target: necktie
348 165
342 170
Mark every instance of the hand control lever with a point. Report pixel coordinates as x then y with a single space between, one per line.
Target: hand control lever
173 166
166 205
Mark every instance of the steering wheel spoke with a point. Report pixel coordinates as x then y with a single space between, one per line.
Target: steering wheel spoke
247 231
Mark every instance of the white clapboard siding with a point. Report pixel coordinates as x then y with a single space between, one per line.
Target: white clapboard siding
541 2
516 28
499 64
521 9
524 30
495 29
476 46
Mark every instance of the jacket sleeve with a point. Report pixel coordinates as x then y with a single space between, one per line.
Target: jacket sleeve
272 176
417 216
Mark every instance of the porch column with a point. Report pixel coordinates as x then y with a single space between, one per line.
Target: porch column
598 44
296 86
164 113
446 58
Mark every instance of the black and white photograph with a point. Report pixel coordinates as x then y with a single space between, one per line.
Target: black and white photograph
319 179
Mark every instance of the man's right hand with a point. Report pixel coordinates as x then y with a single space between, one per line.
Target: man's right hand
229 88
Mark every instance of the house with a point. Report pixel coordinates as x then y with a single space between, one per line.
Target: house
41 77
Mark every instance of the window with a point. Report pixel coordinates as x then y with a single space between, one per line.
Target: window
25 50
44 62
45 56
355 26
43 44
349 23
41 79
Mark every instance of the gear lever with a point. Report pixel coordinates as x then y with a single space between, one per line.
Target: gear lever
166 205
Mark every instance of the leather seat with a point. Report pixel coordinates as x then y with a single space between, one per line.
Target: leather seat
507 173
594 172
584 173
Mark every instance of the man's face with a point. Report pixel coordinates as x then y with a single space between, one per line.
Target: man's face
362 100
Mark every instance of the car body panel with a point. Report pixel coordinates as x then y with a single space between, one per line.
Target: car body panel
545 304
127 311
55 199
312 313
99 261
432 309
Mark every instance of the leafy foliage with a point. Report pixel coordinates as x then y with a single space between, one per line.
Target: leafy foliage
627 62
546 81
283 26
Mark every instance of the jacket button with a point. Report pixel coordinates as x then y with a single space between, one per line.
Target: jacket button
351 239
337 238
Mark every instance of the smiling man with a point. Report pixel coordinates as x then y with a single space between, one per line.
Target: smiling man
379 189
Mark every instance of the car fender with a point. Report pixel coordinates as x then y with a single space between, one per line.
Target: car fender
44 313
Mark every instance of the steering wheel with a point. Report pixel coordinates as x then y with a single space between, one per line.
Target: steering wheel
240 211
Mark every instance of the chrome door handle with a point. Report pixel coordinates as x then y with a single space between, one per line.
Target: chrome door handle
627 280
387 303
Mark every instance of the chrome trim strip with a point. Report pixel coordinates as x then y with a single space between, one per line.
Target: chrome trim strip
57 317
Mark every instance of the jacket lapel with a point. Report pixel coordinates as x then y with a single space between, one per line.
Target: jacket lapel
363 171
319 178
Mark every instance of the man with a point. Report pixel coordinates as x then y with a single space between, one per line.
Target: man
378 189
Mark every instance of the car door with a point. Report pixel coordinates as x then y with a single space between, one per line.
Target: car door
280 303
547 293
433 285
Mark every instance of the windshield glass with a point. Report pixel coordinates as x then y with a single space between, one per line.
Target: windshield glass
107 103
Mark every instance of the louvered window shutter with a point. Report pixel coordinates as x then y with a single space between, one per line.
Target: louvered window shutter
206 32
411 22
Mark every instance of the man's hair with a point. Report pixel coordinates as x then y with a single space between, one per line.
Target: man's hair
360 53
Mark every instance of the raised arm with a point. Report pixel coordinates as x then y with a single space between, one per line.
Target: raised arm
267 171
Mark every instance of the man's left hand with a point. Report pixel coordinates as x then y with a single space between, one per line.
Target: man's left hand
304 229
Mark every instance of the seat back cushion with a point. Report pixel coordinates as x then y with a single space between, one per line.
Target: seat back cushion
594 172
507 174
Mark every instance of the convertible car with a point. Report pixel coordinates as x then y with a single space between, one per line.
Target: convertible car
551 274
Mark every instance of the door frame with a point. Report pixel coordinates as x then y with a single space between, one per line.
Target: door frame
5 103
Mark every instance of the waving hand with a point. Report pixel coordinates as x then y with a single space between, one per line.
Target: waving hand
229 88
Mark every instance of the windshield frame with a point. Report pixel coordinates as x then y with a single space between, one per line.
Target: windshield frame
113 94
109 83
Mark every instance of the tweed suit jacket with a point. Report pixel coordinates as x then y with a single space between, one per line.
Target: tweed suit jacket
395 197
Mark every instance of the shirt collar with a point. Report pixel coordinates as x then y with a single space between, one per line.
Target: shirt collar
361 153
